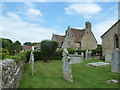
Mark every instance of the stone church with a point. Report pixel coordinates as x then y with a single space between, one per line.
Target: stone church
77 38
111 38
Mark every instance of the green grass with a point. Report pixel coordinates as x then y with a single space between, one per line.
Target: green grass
49 75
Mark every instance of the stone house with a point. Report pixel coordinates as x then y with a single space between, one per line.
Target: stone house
77 38
111 38
59 39
25 47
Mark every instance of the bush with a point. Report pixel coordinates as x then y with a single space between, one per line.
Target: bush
3 53
37 55
98 50
48 49
21 57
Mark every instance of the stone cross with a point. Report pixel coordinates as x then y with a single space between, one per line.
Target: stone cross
67 72
32 60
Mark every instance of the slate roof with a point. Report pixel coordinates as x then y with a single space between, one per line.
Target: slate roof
59 39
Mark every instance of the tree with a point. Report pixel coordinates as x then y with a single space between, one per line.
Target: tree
17 47
30 44
48 49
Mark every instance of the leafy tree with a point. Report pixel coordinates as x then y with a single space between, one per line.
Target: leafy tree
17 47
30 44
48 49
6 43
27 43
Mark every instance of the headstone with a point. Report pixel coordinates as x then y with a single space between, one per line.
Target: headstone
82 54
115 61
88 54
75 53
75 59
108 56
67 72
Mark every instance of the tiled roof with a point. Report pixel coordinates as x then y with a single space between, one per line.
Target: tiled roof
59 39
77 33
25 47
37 46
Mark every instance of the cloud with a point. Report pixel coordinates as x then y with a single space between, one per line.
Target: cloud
101 27
84 9
24 31
34 12
13 15
31 13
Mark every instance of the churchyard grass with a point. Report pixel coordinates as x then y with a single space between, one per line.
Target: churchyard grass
50 75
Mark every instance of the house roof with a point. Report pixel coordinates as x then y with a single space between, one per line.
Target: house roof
59 39
77 33
37 46
110 28
25 47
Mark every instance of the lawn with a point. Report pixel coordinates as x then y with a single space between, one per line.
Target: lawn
49 75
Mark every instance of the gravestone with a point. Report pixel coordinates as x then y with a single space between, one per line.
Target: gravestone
108 56
32 60
115 61
97 64
67 72
88 54
82 55
75 58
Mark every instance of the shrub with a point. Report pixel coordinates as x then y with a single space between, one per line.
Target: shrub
37 55
48 49
21 57
3 53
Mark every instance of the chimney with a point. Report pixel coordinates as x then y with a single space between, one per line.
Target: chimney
68 27
88 25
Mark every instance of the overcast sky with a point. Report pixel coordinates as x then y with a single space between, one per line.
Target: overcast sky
36 21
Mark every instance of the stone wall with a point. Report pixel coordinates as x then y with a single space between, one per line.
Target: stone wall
69 41
10 73
108 40
88 41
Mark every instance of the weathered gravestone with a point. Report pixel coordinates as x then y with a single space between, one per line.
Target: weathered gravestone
32 60
108 56
67 72
75 58
115 61
88 54
82 55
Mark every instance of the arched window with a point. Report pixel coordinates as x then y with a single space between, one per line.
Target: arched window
62 45
116 41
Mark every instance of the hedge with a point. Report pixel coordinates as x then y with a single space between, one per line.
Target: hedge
25 56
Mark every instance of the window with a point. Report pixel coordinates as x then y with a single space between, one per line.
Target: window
68 43
116 41
62 45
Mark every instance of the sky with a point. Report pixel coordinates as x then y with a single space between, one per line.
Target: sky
37 21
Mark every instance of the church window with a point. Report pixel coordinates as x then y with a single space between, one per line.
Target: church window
116 41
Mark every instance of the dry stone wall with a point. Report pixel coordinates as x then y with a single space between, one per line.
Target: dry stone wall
10 73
